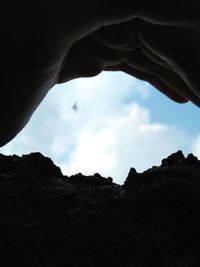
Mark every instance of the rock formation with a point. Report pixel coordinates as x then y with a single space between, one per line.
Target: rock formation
51 220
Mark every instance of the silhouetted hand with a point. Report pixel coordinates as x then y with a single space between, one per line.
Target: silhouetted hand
167 56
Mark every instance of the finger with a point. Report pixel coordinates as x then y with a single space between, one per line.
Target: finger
187 86
122 36
153 80
88 58
154 57
179 47
139 61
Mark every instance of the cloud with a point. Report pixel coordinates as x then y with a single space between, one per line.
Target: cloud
196 146
108 132
130 139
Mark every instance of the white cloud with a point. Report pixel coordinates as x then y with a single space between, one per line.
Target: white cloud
130 139
196 146
108 133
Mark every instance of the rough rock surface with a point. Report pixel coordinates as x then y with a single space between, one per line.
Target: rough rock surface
51 220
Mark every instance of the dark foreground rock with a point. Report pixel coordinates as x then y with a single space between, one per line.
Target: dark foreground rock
51 220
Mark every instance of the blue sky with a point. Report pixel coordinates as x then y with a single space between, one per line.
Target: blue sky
186 116
120 122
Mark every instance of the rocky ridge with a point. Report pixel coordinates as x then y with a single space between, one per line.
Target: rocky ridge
51 220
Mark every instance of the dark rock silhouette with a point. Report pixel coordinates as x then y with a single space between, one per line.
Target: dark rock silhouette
51 220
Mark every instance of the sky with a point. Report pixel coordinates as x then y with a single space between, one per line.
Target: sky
108 124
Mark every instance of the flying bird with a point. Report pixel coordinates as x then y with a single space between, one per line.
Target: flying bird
75 106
